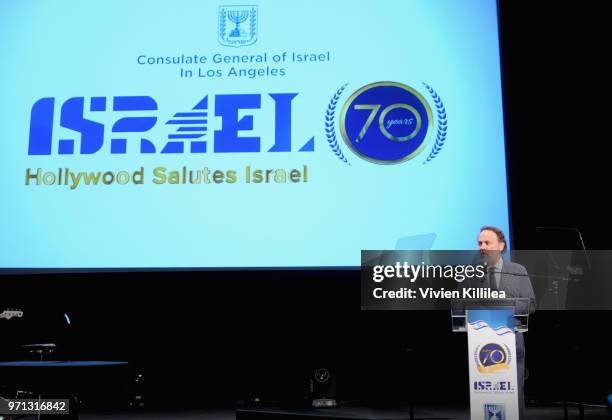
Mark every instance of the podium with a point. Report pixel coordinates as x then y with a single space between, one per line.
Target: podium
491 324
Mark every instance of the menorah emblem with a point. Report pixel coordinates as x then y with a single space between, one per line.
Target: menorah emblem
237 17
237 25
494 412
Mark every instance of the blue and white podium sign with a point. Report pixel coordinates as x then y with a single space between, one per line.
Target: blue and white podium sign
492 364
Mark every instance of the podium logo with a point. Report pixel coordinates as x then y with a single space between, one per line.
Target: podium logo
501 386
495 412
492 357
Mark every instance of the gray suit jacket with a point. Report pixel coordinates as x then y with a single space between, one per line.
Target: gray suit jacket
515 282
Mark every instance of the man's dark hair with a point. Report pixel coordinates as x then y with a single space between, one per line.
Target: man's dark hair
500 234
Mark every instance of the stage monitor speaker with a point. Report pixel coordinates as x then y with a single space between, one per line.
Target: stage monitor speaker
322 388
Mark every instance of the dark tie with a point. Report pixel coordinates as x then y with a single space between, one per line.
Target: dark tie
492 282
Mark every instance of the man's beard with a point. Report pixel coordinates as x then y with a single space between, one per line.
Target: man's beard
490 257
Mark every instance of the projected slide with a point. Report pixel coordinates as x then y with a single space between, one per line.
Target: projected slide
246 134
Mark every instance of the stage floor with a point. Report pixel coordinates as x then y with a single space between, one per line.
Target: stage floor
533 413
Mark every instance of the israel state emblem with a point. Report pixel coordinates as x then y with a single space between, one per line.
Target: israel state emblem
495 412
237 25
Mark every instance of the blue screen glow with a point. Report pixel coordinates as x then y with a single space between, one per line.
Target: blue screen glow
246 134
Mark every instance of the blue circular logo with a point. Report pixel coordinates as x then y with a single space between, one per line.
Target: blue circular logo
385 122
492 357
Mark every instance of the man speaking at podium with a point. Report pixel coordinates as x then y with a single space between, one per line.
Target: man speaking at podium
514 280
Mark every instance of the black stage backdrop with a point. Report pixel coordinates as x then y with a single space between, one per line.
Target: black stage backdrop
211 338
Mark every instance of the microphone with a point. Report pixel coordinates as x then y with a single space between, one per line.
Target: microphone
485 264
494 271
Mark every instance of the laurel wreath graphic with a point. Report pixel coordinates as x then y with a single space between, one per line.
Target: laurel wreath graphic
222 23
442 124
330 131
253 21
